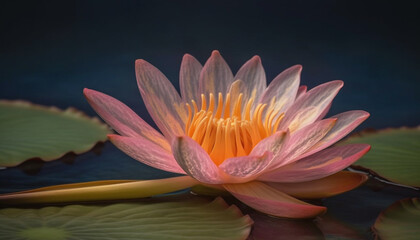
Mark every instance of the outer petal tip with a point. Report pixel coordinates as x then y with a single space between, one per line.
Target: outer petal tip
215 53
186 56
338 82
367 149
331 121
141 62
365 114
298 67
112 136
256 58
87 92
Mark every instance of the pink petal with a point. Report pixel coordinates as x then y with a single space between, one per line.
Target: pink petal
122 118
310 106
195 161
325 112
189 76
146 152
302 140
346 122
252 74
271 201
216 75
340 182
284 88
272 144
236 88
246 168
161 99
302 90
318 165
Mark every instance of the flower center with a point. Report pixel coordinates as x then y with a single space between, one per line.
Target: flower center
226 131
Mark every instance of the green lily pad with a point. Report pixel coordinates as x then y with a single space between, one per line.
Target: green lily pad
395 154
33 131
185 219
399 221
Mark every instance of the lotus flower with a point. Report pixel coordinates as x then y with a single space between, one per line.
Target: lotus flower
267 146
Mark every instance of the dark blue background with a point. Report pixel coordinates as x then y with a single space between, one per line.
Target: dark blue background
51 50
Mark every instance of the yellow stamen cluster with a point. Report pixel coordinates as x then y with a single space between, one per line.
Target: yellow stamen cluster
226 133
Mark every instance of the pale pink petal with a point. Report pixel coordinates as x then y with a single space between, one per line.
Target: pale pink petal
272 144
146 152
302 90
216 76
340 182
122 119
161 99
346 122
318 165
271 201
195 161
246 168
189 76
310 106
302 140
283 89
236 88
325 112
252 74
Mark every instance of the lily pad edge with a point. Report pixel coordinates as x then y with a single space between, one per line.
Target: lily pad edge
367 132
70 111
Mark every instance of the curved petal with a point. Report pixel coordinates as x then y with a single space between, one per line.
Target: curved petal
122 118
301 90
195 161
321 188
314 101
216 75
161 99
272 144
319 165
302 140
236 88
282 89
346 122
271 201
246 168
189 76
146 152
252 74
325 112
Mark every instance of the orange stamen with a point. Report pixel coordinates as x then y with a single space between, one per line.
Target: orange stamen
226 133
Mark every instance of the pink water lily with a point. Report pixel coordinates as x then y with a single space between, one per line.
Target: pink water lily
266 145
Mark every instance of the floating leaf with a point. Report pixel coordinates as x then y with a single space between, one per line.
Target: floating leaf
399 221
33 131
185 219
395 154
